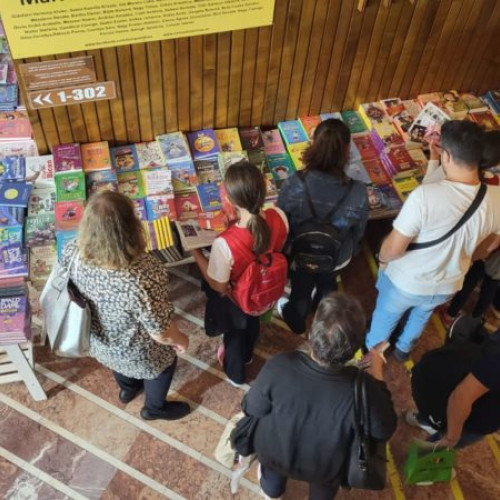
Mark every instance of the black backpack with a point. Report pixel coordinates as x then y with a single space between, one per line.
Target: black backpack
317 242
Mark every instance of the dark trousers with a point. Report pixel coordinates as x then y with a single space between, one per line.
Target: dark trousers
240 332
155 389
496 300
489 287
274 485
301 301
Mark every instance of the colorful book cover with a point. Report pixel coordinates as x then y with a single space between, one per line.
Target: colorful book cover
95 156
401 159
124 158
18 271
427 125
12 168
40 230
40 171
292 132
11 231
130 184
63 238
14 125
354 122
228 209
473 102
273 143
213 221
404 185
209 197
11 257
42 260
184 176
388 135
310 124
392 105
15 194
295 152
140 209
208 170
102 180
174 147
67 157
357 172
42 201
70 186
336 115
251 138
13 312
485 119
453 104
228 140
187 205
203 143
158 181
68 214
18 148
7 218
8 96
376 171
365 146
375 199
281 168
391 198
149 155
371 113
160 205
230 158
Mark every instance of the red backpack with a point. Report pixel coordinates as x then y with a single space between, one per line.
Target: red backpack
257 281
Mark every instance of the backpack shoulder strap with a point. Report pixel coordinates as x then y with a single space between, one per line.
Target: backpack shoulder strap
329 215
302 176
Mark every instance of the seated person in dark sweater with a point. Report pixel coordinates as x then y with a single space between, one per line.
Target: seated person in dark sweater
304 403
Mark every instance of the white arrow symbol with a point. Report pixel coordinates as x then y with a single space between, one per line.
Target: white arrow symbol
47 99
37 99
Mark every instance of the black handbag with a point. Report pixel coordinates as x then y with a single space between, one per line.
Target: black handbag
367 461
242 435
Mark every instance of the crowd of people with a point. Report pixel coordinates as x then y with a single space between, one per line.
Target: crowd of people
447 231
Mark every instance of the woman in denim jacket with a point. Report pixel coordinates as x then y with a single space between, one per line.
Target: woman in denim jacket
325 161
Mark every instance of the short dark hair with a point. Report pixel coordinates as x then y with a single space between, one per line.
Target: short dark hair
329 151
463 140
338 329
491 149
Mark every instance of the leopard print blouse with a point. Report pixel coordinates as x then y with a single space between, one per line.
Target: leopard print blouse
127 307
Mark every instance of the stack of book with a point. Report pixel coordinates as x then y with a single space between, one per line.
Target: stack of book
160 240
14 315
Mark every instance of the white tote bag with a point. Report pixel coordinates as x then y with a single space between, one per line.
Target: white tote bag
67 313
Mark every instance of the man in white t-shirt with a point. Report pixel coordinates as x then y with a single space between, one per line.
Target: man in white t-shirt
419 280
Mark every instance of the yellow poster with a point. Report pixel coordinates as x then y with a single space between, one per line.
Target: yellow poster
46 27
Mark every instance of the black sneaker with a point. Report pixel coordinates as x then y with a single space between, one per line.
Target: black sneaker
127 396
172 410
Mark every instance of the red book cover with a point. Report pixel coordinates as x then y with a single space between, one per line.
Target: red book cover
95 156
68 214
376 171
365 147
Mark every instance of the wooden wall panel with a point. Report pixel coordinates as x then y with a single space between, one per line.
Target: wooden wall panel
318 56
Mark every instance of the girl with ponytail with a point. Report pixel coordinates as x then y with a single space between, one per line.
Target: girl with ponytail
256 232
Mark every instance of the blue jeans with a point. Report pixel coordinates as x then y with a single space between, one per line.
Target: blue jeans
391 305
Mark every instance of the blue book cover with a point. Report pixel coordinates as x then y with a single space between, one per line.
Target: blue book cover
11 257
140 209
203 143
292 132
63 238
124 158
8 217
158 206
15 194
174 147
102 180
209 196
184 176
13 168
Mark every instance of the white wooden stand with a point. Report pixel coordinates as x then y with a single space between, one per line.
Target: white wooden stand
16 365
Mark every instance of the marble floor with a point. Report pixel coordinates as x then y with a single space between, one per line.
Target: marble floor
82 443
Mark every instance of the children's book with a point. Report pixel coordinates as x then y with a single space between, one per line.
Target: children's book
273 143
63 238
140 209
356 171
42 201
130 184
258 158
385 135
208 170
365 147
281 168
102 180
251 138
18 148
149 155
473 102
70 186
485 119
20 270
40 171
376 171
11 231
67 157
215 221
15 194
391 198
68 215
354 122
13 316
399 158
11 257
192 236
336 115
158 181
184 176
42 260
14 126
310 124
292 132
8 96
174 147
405 183
453 105
160 205
228 140
427 126
12 168
296 152
209 197
124 158
95 156
391 105
187 205
203 144
371 113
40 230
375 199
230 158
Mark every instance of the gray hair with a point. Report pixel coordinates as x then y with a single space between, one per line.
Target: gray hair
338 329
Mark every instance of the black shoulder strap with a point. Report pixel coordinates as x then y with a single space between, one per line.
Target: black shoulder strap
465 217
327 218
358 403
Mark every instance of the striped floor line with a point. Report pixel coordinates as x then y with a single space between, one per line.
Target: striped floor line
142 425
41 475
